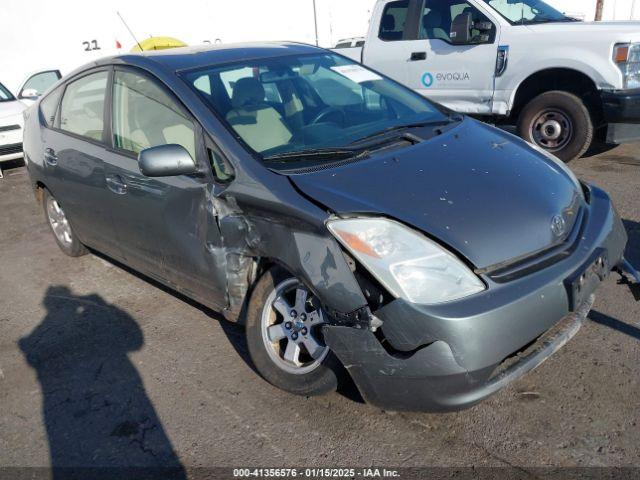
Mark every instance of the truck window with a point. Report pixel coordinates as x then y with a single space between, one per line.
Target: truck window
394 17
438 15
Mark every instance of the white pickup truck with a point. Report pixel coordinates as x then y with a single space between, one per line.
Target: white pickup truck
565 83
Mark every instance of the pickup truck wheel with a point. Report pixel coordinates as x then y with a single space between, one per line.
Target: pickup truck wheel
559 122
61 228
284 338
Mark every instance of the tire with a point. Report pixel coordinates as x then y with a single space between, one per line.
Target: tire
60 227
561 113
321 374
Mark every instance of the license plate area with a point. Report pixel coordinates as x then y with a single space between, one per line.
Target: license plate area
581 284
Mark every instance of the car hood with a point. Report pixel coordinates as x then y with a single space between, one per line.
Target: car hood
11 110
617 31
483 192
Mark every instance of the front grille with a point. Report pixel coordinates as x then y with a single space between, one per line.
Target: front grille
8 128
9 149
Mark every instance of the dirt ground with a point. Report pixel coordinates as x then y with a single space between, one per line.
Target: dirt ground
100 367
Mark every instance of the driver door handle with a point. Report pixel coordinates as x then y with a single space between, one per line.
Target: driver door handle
116 184
417 56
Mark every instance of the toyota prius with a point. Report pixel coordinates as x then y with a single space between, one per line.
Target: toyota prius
354 227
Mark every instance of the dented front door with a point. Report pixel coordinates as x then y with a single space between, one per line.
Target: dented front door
164 225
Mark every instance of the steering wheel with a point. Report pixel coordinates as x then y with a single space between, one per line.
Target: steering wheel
327 112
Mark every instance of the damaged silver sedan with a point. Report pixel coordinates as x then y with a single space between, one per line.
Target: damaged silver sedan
353 226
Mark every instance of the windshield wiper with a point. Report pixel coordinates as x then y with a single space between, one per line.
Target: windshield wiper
317 153
407 126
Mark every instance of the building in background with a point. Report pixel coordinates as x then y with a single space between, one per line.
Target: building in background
66 35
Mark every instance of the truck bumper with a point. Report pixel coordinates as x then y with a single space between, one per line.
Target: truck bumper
621 110
452 356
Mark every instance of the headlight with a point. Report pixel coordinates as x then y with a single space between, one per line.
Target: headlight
627 57
407 263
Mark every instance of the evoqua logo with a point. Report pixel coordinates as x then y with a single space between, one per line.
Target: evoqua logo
427 79
453 76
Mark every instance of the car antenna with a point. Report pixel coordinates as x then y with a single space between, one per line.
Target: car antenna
134 37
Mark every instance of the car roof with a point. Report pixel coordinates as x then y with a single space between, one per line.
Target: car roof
185 58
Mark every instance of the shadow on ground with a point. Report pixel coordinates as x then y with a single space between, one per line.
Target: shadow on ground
234 332
96 411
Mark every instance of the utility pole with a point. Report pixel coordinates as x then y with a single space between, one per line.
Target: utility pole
599 7
315 21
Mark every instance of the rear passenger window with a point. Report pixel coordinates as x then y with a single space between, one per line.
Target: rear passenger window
82 109
393 21
144 116
49 107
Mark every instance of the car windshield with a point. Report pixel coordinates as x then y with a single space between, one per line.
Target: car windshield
5 95
528 11
309 105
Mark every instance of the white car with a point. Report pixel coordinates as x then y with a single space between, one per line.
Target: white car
11 124
11 108
36 84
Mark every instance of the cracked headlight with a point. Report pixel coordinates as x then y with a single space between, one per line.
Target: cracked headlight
627 57
407 263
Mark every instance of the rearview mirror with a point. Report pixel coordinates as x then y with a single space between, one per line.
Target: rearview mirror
166 161
461 29
30 93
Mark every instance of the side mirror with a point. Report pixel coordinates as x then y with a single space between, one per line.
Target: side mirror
461 29
166 161
30 93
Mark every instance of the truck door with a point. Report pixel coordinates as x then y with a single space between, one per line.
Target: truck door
387 48
460 77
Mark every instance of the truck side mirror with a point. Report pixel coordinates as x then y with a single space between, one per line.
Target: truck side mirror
461 29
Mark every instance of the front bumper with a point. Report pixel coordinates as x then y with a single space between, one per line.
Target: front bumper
10 142
452 356
621 110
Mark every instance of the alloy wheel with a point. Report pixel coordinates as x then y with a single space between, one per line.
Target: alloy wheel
290 320
59 223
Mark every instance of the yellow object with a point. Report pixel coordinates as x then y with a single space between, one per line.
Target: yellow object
158 43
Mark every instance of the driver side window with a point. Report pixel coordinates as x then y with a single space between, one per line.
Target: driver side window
145 116
438 15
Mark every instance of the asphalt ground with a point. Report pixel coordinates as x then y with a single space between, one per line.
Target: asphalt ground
102 367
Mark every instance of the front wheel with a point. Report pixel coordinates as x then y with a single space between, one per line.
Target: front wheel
284 336
559 122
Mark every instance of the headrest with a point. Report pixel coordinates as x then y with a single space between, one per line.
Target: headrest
388 22
247 91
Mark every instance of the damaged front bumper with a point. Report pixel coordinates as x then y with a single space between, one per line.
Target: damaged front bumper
452 356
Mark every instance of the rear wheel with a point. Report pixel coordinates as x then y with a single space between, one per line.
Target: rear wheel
285 339
61 228
559 122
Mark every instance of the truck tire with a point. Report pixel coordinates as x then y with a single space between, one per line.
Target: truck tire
559 122
284 338
64 235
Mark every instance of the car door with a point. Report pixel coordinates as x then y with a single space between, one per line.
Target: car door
460 77
74 140
37 84
166 226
